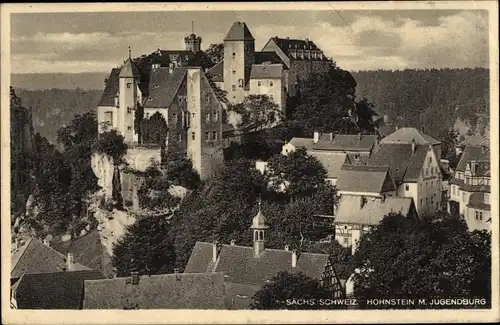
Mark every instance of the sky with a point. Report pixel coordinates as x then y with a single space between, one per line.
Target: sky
355 39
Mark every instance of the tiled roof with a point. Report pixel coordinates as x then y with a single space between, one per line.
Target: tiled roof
239 296
88 250
473 153
406 135
35 257
111 89
239 32
287 44
302 143
476 201
350 211
217 72
60 290
163 86
345 142
166 291
129 70
331 161
266 71
268 56
476 140
405 166
365 178
239 265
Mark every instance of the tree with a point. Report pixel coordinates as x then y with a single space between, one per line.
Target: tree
325 101
296 174
215 52
146 248
179 171
112 144
155 131
201 59
284 291
257 112
366 118
154 192
138 116
449 142
435 257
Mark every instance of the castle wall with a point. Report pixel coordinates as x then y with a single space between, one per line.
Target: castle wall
103 116
140 158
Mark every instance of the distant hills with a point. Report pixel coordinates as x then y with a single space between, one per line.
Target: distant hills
41 81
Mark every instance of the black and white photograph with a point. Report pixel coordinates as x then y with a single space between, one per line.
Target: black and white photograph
338 159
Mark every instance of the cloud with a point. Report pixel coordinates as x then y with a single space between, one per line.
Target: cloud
362 41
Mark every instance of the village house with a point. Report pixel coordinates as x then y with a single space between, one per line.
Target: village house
58 290
164 291
415 167
35 257
247 269
471 188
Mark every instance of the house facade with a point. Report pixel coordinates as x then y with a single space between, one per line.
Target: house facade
470 188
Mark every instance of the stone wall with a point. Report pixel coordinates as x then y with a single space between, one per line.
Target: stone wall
140 158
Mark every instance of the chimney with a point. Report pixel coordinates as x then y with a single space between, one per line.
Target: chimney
171 67
331 136
316 137
287 248
233 242
413 146
215 248
135 277
70 262
294 258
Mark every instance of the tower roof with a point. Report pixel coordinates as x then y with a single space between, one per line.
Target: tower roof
129 70
239 32
259 221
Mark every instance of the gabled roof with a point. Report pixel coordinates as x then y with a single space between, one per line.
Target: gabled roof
477 201
266 71
165 291
59 290
163 86
239 32
287 44
365 178
89 251
239 265
302 143
34 257
405 165
332 162
269 57
217 72
373 210
129 70
111 89
473 153
345 142
406 135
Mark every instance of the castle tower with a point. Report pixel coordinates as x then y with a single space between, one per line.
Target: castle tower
193 43
129 80
258 226
239 49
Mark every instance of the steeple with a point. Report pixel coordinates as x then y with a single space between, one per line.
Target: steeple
258 227
129 70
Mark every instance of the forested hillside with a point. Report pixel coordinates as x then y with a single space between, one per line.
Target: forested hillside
432 99
53 108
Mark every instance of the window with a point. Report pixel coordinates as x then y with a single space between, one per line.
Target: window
207 135
233 87
432 184
129 85
480 216
208 117
240 83
214 135
129 128
193 135
427 172
216 116
174 118
271 97
421 202
407 187
234 71
129 110
207 99
477 215
234 55
426 201
463 197
147 115
259 83
271 83
430 160
346 241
